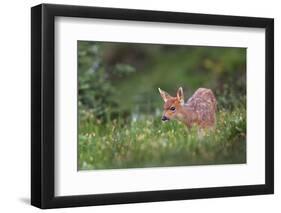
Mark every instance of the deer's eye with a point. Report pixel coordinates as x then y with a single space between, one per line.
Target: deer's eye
172 108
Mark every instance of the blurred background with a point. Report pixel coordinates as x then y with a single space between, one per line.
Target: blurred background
121 79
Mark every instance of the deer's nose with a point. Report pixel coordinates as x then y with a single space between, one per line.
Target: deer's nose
164 118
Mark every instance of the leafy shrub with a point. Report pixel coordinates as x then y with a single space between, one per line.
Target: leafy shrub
96 90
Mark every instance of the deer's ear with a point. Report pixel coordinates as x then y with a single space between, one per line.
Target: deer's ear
164 95
180 95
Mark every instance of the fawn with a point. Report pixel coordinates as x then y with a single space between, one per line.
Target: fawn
199 110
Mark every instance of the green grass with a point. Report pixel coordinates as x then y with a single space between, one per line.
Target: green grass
148 142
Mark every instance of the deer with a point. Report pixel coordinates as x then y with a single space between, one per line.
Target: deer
199 110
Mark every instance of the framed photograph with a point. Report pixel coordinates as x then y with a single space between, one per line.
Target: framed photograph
139 106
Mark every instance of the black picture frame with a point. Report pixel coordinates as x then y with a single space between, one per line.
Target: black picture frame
43 102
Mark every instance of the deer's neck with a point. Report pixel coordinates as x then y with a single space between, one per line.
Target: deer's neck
187 115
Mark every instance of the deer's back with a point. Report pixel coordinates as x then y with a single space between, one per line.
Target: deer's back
203 103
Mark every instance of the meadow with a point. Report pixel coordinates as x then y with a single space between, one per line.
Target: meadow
120 107
150 142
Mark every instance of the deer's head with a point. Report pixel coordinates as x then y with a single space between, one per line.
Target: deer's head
172 105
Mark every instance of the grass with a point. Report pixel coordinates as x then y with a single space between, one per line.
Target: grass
148 142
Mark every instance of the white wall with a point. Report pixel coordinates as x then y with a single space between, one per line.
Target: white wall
15 105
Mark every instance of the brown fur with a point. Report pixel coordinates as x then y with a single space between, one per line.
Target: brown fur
200 109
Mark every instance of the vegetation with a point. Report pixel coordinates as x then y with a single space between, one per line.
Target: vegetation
120 108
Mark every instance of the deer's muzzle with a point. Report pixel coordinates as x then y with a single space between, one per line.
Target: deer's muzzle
164 118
